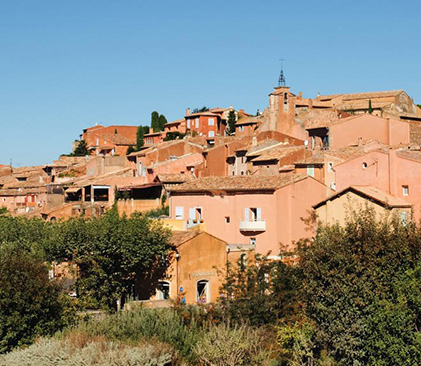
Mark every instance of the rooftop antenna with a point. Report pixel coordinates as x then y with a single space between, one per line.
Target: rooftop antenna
281 80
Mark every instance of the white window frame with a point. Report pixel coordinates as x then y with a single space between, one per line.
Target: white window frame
211 133
197 122
179 212
405 190
211 122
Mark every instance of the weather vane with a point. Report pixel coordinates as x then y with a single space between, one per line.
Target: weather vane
281 80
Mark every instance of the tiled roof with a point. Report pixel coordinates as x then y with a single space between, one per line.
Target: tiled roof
413 155
277 153
239 183
370 192
248 121
118 139
174 178
207 113
180 237
367 95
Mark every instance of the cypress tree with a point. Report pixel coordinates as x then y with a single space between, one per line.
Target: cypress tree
370 108
139 138
155 121
231 122
162 121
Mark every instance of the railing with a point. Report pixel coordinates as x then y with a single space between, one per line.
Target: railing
194 222
259 225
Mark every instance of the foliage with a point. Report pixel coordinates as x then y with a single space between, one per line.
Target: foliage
162 121
30 304
260 291
231 122
174 136
130 150
155 121
139 138
81 149
157 212
199 110
360 286
111 252
3 210
89 352
370 107
239 345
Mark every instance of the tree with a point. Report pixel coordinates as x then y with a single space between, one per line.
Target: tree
162 121
130 149
139 138
200 110
155 121
260 291
370 108
81 149
112 253
173 136
30 304
360 287
231 122
145 130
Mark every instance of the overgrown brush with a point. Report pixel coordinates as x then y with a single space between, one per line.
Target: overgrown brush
89 352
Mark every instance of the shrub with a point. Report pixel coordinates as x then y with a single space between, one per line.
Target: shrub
30 304
94 352
240 345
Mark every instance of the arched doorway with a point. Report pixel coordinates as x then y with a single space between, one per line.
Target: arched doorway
163 290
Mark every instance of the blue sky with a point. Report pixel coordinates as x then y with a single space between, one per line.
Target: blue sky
66 65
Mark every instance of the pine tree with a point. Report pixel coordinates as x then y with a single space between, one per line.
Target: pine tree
81 149
231 122
139 138
155 121
162 121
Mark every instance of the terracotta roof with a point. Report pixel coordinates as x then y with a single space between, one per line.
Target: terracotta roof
370 192
277 153
248 121
207 113
180 237
367 95
176 122
174 178
408 154
239 183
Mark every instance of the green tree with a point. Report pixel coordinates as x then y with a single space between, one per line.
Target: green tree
360 287
162 121
130 149
155 121
231 122
30 304
81 149
370 107
200 110
260 291
112 253
139 138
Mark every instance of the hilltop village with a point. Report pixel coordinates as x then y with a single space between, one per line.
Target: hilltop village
235 182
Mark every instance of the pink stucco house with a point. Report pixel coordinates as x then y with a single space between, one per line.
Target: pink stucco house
395 172
258 210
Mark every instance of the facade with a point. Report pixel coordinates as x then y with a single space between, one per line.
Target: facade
336 208
258 210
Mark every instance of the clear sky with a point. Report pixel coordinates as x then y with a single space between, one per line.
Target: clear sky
66 65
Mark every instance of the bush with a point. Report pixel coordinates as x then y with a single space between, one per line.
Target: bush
360 286
30 304
240 345
94 352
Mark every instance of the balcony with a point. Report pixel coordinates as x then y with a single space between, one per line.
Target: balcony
194 222
254 226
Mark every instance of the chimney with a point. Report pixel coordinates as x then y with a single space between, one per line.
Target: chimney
150 130
188 112
300 95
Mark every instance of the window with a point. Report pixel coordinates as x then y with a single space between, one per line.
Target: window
227 219
211 133
197 122
192 214
203 292
403 218
252 241
405 190
211 122
253 214
179 213
241 128
199 213
163 292
188 123
364 165
310 170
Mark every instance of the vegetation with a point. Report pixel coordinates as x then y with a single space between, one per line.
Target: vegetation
174 136
231 122
139 138
155 121
360 287
30 304
157 212
81 149
161 122
370 107
200 110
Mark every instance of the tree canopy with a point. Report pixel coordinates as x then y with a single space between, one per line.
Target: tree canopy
231 122
81 149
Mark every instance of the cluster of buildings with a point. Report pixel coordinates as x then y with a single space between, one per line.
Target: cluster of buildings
229 194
